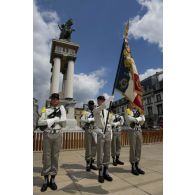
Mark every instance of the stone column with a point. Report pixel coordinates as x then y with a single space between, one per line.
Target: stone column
55 76
64 84
50 84
68 84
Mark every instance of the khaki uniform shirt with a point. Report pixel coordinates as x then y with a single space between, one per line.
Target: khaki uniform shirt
52 123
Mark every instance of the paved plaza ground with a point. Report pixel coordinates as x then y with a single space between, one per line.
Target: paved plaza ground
73 179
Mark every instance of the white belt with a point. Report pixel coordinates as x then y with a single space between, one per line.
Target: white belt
136 129
53 131
116 130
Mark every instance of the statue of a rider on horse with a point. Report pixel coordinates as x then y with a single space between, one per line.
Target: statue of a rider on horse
66 30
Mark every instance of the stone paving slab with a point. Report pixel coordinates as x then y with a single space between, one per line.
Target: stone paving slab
73 179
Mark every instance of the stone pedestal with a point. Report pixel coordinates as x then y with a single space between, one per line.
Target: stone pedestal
63 57
71 123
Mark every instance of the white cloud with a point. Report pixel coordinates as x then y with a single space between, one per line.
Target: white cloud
86 86
44 29
149 72
106 96
150 26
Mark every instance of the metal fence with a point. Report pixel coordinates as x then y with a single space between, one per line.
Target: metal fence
75 140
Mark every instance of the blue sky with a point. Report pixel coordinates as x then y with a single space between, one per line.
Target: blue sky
99 31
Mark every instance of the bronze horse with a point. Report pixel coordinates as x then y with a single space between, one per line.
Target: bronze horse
66 30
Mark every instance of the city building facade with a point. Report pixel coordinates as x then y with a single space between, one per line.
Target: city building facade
152 100
35 113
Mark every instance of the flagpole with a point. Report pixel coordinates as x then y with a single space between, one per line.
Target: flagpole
121 55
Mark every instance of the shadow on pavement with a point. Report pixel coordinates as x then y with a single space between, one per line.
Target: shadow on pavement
73 188
72 166
37 181
77 172
37 169
119 170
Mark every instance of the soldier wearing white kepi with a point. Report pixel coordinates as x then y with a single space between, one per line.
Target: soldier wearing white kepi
135 120
88 124
51 123
117 122
103 140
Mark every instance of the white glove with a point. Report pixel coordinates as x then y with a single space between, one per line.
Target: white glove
117 124
134 120
111 98
90 120
51 121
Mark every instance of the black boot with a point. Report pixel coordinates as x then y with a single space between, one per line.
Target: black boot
92 166
45 184
114 161
106 175
134 170
52 184
118 161
88 165
138 169
101 177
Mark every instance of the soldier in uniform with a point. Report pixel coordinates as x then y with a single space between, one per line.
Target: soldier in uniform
88 124
117 122
51 123
103 140
135 120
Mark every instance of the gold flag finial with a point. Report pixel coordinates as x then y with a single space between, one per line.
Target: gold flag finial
126 30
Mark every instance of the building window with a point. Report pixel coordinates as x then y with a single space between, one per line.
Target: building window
149 100
158 98
160 109
154 87
122 109
150 112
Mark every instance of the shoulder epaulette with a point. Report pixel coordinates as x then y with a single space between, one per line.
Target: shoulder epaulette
43 109
128 111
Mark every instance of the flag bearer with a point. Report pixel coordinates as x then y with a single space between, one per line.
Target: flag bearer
103 139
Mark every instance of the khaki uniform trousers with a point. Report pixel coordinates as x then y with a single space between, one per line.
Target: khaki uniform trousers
51 149
103 147
90 145
116 143
135 140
